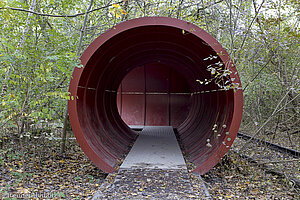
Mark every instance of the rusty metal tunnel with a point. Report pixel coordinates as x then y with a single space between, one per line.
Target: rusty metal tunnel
144 72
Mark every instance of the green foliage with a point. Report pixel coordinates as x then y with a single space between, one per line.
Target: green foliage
39 53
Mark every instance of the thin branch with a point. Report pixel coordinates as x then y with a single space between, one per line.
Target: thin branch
7 120
65 122
50 15
276 110
200 9
83 29
203 8
288 103
271 57
179 9
248 30
20 44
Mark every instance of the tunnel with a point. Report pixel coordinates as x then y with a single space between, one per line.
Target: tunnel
155 71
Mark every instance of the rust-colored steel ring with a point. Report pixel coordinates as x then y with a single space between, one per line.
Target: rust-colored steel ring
141 48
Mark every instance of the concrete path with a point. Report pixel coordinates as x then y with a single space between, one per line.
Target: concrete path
153 169
155 148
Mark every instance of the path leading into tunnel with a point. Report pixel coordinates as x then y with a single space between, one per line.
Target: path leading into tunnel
153 169
155 148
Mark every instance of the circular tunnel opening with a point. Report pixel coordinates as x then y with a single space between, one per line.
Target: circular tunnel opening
155 71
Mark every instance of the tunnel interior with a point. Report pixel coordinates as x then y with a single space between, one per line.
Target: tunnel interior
154 95
155 71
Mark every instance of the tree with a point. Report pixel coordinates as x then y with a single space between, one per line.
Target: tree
40 42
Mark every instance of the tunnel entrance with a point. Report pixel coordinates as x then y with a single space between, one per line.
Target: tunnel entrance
155 71
154 95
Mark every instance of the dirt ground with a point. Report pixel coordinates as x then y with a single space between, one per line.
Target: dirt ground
46 174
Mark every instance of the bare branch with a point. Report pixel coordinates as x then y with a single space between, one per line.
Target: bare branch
258 73
254 18
50 15
65 122
197 14
276 110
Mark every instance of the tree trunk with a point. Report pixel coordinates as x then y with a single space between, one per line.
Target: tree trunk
82 33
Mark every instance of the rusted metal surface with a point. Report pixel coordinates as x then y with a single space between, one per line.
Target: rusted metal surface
154 95
129 73
270 145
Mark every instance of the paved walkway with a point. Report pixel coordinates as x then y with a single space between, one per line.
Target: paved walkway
153 169
155 148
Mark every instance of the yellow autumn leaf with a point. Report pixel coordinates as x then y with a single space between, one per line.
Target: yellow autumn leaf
123 11
118 15
116 5
23 190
